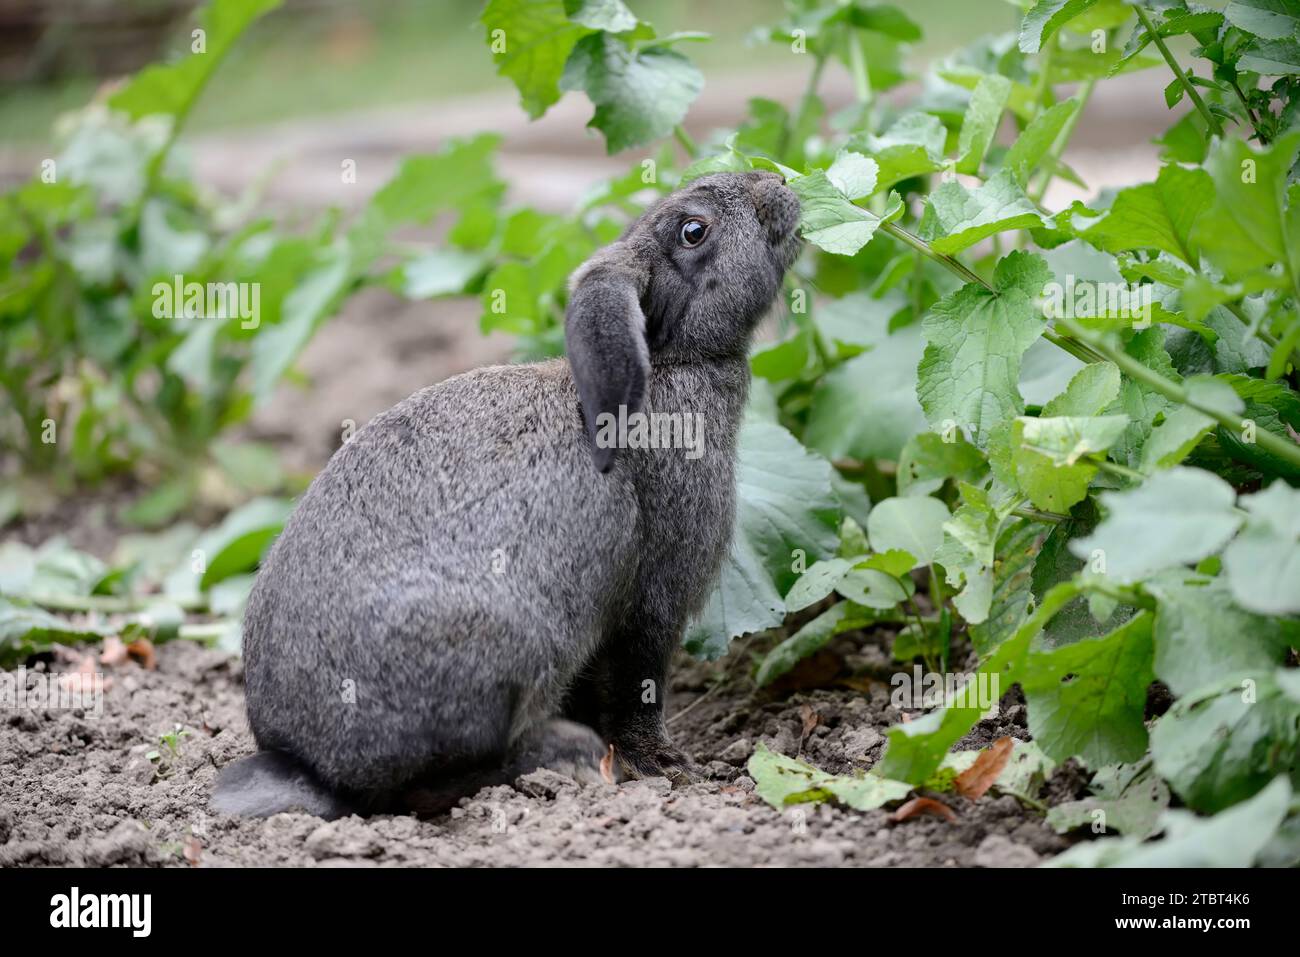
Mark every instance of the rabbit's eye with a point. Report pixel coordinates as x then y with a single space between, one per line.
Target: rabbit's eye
693 232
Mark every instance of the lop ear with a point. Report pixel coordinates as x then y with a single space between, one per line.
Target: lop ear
604 336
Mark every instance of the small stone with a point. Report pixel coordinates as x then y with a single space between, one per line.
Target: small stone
738 752
998 850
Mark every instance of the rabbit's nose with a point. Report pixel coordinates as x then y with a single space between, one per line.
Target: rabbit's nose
776 204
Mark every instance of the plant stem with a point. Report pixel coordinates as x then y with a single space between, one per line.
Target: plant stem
1114 468
1036 515
858 65
1153 380
1250 114
924 248
1210 119
684 138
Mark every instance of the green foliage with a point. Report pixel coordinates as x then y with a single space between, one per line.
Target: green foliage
1096 496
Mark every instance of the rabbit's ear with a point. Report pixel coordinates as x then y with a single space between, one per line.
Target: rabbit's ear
604 336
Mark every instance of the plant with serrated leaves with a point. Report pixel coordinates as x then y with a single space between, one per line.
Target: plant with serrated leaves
1096 497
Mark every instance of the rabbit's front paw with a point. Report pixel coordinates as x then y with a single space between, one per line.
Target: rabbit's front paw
653 758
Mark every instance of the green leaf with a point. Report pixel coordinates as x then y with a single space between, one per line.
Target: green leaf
1128 798
172 88
913 524
981 121
852 174
1045 18
1263 562
1235 838
1016 550
1202 634
784 500
1032 145
1157 215
927 461
1270 19
239 542
1224 743
1176 517
866 408
967 553
534 40
611 15
782 781
1246 229
1271 57
1087 699
956 217
1092 389
639 95
28 631
818 582
974 341
916 748
840 617
912 146
828 220
1047 451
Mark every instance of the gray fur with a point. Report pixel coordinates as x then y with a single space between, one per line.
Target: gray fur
470 566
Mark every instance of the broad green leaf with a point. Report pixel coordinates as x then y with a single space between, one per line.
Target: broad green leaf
1263 562
1037 139
172 88
913 524
1047 452
1045 18
1271 57
1087 699
853 174
817 582
1176 517
980 124
967 553
1236 838
26 631
866 408
240 541
440 272
1016 550
912 146
1224 743
840 617
611 15
927 461
1128 798
828 220
783 502
1093 389
1270 19
639 95
1139 402
895 563
530 42
1202 634
956 217
1157 215
916 748
873 588
974 341
782 781
1247 227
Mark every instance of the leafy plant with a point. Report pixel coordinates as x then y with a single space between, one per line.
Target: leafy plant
1067 435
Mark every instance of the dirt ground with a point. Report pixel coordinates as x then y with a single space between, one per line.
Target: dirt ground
77 790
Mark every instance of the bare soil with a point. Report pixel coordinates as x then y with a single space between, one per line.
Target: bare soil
78 790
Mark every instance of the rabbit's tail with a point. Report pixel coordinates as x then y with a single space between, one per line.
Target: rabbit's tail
270 782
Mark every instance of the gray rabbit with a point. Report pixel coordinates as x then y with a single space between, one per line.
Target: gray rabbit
481 582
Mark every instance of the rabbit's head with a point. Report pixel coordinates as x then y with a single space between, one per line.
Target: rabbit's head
687 282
